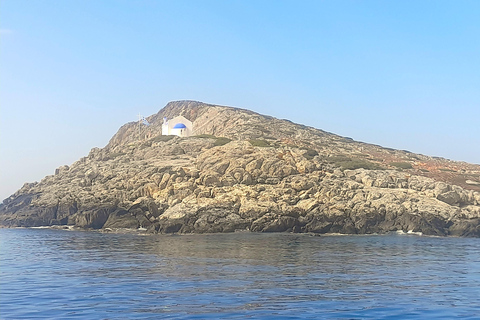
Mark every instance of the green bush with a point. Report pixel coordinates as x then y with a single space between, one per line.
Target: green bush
221 141
259 143
337 159
358 164
310 154
162 138
402 165
447 170
205 136
262 129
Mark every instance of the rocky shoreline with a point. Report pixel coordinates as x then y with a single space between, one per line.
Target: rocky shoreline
144 232
244 171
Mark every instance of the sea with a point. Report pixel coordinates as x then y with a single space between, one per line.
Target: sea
66 274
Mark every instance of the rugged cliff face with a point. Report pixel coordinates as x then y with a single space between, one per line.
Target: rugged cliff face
245 171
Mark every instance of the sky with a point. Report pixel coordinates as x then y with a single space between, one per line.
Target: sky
401 74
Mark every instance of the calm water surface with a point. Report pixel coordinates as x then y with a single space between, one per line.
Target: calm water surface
59 274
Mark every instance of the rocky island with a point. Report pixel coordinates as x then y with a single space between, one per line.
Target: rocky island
226 169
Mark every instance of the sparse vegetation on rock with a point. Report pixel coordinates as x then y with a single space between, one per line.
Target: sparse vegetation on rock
226 177
259 143
221 141
402 165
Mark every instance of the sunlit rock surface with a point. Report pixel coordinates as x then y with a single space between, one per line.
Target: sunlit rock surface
244 171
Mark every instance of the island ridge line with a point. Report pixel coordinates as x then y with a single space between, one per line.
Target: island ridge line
239 170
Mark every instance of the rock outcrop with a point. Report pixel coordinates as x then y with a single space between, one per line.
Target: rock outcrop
245 171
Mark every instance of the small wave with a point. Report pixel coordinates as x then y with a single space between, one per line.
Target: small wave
409 232
336 234
415 233
55 227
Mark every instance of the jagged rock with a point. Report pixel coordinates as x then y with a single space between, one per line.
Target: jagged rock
61 169
94 219
450 197
245 171
121 219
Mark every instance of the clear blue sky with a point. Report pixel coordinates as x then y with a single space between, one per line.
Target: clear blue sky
402 74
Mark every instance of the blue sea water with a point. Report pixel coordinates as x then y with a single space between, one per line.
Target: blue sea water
60 274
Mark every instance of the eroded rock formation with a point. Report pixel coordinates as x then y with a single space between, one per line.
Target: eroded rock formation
245 171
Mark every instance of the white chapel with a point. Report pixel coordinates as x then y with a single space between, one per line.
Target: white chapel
178 126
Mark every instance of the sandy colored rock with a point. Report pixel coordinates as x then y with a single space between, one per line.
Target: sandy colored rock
245 171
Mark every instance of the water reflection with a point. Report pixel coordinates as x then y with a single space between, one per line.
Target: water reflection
236 275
